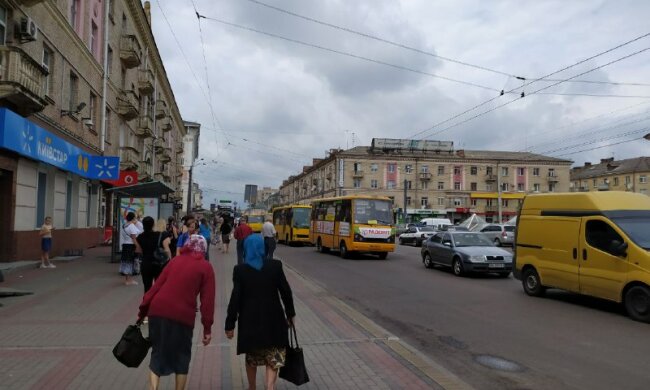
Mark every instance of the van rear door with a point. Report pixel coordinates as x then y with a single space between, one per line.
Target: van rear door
602 273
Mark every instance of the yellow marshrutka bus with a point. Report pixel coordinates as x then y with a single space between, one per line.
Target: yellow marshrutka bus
353 224
292 223
255 219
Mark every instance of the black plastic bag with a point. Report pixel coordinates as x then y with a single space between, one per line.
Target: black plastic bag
132 347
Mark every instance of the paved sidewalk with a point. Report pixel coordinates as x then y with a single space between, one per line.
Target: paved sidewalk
62 336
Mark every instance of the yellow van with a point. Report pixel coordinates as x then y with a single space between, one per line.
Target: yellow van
592 243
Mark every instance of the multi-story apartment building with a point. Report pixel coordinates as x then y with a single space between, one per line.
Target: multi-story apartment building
430 178
613 175
189 159
265 196
81 85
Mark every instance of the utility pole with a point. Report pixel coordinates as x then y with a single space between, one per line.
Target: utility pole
189 192
405 205
499 192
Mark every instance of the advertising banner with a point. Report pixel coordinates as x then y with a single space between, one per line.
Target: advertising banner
145 207
374 232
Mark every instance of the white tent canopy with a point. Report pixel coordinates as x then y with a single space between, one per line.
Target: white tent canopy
512 222
474 223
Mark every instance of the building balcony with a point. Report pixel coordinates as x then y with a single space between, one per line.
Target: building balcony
425 176
165 156
143 173
603 187
130 52
22 81
166 124
490 177
161 109
552 178
127 105
179 149
491 209
129 158
357 173
145 81
145 127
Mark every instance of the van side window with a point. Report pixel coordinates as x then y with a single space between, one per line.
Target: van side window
601 236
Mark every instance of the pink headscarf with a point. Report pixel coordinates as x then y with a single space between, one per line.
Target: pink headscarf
195 245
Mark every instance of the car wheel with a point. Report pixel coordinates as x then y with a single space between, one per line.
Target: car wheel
343 250
428 263
457 267
497 242
401 241
504 274
382 255
532 283
637 303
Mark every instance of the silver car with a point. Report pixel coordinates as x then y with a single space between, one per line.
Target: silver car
416 235
500 234
466 252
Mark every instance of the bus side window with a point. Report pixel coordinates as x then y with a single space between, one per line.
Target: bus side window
339 215
346 211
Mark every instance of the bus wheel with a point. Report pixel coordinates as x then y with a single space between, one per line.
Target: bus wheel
382 255
320 247
344 250
286 240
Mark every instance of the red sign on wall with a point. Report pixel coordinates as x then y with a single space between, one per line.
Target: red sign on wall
127 178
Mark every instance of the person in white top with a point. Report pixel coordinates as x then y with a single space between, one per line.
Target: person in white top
269 234
128 234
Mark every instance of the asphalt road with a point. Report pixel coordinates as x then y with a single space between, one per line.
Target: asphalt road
562 341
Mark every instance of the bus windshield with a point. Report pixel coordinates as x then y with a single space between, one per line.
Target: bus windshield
301 218
255 219
371 211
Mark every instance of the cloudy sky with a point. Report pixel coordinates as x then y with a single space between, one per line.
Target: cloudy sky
269 105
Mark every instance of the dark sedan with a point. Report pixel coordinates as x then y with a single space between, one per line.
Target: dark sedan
466 252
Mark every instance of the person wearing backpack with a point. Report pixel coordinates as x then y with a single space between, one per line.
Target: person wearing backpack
154 246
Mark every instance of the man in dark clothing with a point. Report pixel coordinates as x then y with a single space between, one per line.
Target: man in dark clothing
241 232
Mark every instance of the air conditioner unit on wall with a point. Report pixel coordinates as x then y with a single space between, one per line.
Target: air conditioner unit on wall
28 29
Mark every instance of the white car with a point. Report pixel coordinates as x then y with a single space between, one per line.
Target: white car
416 235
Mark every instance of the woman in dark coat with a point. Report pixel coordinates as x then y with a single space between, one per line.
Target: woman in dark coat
263 323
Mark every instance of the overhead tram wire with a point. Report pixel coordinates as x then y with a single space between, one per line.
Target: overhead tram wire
420 51
265 145
595 95
352 55
531 82
600 147
536 91
608 138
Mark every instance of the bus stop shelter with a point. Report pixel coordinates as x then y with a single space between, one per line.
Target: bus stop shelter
143 198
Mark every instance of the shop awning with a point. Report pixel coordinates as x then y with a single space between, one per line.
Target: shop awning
152 189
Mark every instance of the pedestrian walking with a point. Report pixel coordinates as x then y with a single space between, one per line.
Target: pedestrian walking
149 241
255 303
225 231
242 231
129 233
269 234
190 227
172 231
206 232
170 306
46 243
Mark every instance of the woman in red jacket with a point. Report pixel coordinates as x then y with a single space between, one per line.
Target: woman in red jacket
171 307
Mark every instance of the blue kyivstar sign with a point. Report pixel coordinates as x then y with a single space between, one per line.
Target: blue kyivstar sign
26 138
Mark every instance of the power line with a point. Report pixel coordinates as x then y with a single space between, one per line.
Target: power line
600 147
625 134
343 53
531 82
603 82
541 89
595 95
420 51
265 145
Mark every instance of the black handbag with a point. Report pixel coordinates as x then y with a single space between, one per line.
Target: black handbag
132 347
294 369
160 257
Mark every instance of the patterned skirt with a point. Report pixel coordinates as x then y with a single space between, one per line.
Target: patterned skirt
272 357
127 260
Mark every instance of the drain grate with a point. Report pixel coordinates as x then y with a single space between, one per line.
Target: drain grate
498 363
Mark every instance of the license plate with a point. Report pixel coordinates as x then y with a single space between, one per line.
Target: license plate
496 265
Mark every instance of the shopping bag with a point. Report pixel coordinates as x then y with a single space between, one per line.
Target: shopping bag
132 347
294 369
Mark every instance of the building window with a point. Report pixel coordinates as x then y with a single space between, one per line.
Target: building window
391 167
595 181
109 61
521 171
488 187
627 180
473 171
373 184
390 184
123 77
357 183
551 187
504 202
373 167
74 92
68 204
425 185
74 13
504 171
441 201
473 186
643 179
551 172
424 201
504 186
107 126
92 107
473 202
520 187
424 169
408 200
458 202
457 186
123 23
408 168
488 202
616 181
48 55
357 167
3 28
441 169
408 184
457 171
41 191
441 185
535 171
94 44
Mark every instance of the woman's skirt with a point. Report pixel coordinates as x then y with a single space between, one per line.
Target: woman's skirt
271 357
127 260
225 238
171 346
